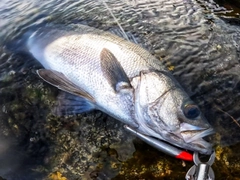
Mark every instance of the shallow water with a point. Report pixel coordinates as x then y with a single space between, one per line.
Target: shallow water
196 40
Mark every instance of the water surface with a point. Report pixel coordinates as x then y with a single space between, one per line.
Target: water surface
196 40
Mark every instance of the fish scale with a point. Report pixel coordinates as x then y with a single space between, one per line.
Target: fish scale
121 79
84 62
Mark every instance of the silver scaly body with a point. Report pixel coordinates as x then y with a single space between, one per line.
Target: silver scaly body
121 79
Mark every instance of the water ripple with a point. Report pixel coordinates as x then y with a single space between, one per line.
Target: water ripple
202 50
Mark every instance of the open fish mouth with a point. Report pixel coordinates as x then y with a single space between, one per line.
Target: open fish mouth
188 137
167 143
196 137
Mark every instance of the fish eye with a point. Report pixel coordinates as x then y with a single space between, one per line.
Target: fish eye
191 111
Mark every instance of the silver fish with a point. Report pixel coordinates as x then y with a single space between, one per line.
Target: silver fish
121 79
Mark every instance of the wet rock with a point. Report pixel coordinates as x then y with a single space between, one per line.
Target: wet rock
200 49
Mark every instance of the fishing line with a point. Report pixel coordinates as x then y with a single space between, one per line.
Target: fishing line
115 19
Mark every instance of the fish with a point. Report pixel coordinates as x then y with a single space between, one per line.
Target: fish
105 72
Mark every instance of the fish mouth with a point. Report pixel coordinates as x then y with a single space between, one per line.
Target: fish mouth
194 135
188 137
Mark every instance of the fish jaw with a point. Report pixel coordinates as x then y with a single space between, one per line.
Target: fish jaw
196 138
191 141
191 133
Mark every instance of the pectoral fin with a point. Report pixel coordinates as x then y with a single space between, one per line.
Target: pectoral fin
113 71
60 81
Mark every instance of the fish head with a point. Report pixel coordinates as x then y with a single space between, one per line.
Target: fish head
165 111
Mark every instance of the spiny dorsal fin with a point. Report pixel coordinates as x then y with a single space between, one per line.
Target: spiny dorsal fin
113 71
60 81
